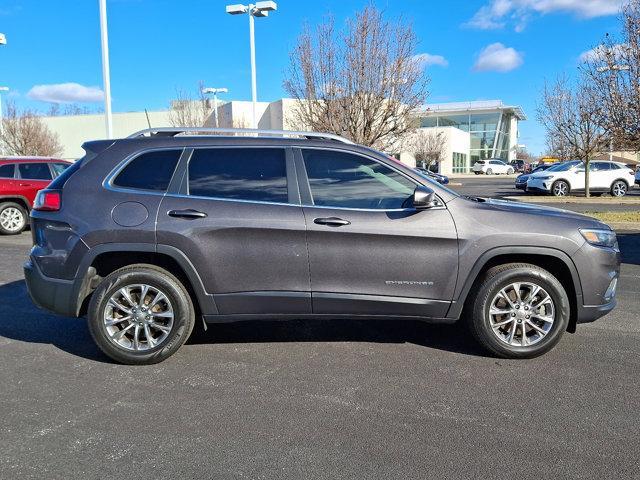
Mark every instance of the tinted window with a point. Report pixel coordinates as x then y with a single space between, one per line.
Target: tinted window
339 179
256 174
58 168
149 171
34 171
61 179
7 171
615 166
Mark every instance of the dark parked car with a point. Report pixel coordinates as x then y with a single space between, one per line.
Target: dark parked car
148 235
20 180
519 166
521 180
441 179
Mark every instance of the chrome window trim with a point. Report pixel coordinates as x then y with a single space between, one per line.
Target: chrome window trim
107 183
221 199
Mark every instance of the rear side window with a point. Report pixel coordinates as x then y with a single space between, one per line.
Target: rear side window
149 171
254 174
7 171
34 171
61 179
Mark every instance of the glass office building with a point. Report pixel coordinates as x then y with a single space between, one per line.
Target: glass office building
491 125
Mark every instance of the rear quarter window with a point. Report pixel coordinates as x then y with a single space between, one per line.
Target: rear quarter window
149 171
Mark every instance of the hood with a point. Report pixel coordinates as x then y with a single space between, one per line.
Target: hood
533 209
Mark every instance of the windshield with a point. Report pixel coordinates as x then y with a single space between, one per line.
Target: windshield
564 166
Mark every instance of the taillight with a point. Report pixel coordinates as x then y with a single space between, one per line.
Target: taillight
48 201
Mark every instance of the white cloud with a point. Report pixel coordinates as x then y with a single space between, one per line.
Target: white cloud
424 60
497 13
498 58
66 93
599 53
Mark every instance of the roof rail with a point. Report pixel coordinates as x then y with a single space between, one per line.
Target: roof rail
173 131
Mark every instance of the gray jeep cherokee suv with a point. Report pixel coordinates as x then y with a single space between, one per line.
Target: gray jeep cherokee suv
145 234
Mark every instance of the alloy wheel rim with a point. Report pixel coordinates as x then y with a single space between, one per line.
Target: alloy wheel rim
12 219
560 189
619 189
521 314
138 317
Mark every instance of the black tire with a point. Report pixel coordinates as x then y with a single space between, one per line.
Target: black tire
500 277
477 173
510 171
158 278
489 171
619 188
16 209
560 188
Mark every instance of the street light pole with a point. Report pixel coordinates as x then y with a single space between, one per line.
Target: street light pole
215 92
106 76
2 89
254 88
259 9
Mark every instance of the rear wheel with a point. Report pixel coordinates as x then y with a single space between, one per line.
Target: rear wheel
560 188
140 315
477 173
519 311
619 188
13 218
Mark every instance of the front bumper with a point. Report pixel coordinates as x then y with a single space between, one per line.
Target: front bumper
591 313
53 294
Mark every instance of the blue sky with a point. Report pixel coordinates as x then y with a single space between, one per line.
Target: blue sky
160 45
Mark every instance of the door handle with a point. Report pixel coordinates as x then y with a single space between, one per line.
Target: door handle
332 222
189 214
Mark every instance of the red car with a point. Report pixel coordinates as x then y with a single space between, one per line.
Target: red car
20 180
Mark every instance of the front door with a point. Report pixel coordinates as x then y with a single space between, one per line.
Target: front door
237 221
370 251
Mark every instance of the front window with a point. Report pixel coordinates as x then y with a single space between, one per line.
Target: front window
340 179
563 167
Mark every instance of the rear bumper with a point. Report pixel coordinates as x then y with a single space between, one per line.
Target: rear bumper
55 295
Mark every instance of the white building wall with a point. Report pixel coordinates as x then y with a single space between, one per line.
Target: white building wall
456 140
74 130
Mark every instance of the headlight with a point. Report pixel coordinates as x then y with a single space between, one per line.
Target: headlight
600 238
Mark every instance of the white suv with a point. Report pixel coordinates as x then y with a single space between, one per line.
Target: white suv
491 167
567 177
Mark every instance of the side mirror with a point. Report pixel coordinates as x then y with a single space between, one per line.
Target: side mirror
423 197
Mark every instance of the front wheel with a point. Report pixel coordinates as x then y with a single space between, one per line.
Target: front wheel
619 188
510 171
560 188
489 171
519 311
140 315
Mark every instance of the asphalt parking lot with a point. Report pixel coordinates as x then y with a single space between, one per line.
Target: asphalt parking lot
501 186
326 400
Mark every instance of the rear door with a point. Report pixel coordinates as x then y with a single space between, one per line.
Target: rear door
370 251
237 216
31 178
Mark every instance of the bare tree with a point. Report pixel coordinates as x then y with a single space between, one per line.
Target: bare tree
24 133
572 115
558 147
188 110
363 82
427 147
613 68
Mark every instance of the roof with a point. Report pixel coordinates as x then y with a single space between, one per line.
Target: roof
476 106
19 159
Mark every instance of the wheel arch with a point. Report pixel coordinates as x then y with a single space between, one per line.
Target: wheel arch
555 261
19 199
103 259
